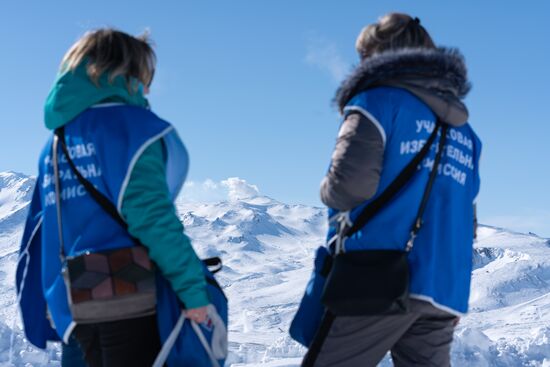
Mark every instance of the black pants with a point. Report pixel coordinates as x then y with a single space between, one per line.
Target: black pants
133 342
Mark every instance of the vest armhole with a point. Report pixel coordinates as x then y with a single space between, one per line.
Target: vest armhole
133 162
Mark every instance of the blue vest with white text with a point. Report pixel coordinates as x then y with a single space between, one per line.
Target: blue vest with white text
441 260
104 142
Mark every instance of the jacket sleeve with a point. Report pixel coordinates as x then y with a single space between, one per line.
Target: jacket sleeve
151 217
356 164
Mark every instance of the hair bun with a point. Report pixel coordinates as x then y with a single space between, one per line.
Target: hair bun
392 31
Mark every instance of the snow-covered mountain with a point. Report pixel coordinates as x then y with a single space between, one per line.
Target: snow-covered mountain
267 248
15 195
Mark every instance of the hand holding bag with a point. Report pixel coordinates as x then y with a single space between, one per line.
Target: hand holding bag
186 343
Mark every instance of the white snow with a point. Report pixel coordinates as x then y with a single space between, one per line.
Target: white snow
267 248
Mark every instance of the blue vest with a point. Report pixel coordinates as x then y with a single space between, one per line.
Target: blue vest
104 142
441 260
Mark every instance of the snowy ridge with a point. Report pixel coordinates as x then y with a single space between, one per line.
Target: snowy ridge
15 195
509 319
267 248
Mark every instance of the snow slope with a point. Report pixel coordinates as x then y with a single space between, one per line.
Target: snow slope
15 194
267 248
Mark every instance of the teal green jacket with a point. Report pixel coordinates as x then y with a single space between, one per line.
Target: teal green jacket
146 206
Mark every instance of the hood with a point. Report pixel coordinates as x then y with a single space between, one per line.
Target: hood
73 92
437 76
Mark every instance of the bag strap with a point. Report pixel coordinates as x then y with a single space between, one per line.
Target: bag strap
214 264
57 184
101 199
399 182
221 344
423 203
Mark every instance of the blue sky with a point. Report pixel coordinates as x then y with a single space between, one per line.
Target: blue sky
249 85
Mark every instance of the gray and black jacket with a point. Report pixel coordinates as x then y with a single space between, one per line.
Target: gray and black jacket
436 77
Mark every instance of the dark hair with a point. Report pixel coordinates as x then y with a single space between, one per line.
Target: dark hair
392 31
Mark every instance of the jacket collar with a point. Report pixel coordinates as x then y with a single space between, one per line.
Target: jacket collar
437 76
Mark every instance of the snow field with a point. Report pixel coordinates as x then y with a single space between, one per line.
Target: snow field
267 248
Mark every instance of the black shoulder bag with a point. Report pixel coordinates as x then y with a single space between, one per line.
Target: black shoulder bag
376 282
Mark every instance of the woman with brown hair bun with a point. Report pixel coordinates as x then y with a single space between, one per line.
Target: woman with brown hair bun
400 191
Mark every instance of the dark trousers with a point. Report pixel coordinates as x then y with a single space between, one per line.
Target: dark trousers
133 342
421 337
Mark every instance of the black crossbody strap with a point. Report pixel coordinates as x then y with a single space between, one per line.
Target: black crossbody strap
57 183
404 176
319 339
214 264
418 221
101 199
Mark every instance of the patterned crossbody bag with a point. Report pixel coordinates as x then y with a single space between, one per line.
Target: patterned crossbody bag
107 285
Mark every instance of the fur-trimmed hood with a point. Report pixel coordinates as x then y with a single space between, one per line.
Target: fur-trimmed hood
436 76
